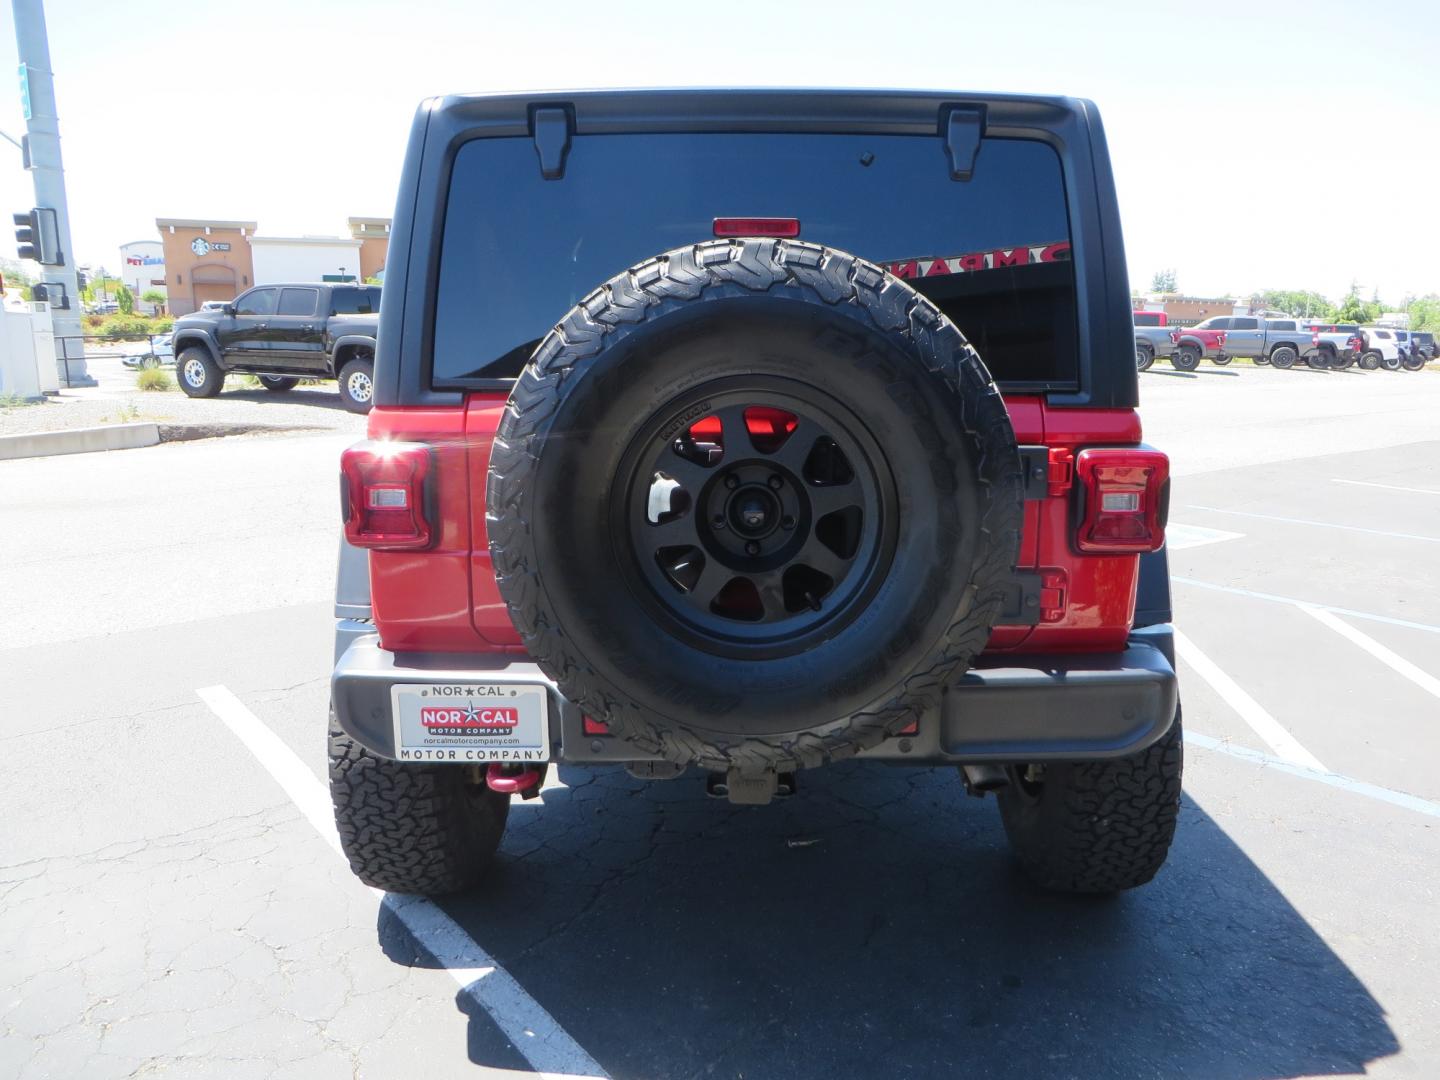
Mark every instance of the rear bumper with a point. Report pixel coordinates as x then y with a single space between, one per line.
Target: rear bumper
1006 708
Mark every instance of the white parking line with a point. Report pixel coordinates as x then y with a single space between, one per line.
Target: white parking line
1387 487
532 1030
1345 783
1394 661
1179 536
1261 722
1350 612
1317 524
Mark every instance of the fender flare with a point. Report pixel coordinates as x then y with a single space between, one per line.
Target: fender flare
363 341
185 338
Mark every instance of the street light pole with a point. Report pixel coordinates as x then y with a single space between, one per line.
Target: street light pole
47 172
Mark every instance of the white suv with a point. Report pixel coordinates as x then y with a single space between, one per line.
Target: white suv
1381 349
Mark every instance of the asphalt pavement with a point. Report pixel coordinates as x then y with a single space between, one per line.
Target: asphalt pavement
171 903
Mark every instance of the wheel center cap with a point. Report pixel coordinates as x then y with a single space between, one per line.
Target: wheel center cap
753 511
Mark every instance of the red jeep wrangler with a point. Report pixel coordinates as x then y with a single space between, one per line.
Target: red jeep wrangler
749 431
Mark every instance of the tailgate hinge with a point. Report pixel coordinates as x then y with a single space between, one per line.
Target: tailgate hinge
1034 597
551 127
962 126
1048 471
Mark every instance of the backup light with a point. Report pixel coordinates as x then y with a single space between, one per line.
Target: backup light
383 495
1125 497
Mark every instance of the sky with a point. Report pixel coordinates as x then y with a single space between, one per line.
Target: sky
1258 145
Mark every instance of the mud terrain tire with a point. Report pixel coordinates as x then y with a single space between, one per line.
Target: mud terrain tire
1096 826
637 364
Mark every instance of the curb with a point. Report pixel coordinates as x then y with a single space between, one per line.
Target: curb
78 440
129 437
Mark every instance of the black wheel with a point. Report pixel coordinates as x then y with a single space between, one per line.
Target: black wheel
1095 826
200 376
1260 361
1414 362
1336 362
789 434
413 828
1284 357
357 383
278 384
150 362
1390 363
1370 361
1186 358
1221 361
1144 357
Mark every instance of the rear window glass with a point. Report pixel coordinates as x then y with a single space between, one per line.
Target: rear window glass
298 301
355 302
993 252
1147 318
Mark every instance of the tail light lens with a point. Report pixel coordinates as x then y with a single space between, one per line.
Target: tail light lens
1125 496
757 226
1175 336
385 495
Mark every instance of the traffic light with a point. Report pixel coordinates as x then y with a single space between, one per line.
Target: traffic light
37 236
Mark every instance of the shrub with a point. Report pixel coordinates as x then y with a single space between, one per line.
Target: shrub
155 379
125 328
94 322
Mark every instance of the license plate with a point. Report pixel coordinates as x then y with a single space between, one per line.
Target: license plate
471 722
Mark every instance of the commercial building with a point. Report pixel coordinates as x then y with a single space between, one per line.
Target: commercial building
218 260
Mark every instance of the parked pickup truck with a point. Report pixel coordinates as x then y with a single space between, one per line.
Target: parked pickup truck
1152 338
1333 345
283 333
1195 343
1280 341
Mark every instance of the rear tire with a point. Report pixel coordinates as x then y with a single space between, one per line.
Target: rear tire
1144 358
1187 358
278 384
1338 362
426 829
1283 357
1370 361
199 375
357 383
1390 363
1221 361
1095 826
1414 363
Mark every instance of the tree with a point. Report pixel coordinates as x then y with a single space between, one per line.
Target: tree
1164 281
1425 313
1355 310
155 297
1303 302
126 299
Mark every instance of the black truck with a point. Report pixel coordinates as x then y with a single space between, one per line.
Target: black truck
282 333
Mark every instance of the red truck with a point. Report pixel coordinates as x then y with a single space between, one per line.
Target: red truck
1196 343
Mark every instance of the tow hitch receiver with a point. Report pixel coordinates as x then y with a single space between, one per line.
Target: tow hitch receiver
750 790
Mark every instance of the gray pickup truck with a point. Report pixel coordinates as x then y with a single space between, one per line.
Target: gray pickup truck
1277 341
1152 337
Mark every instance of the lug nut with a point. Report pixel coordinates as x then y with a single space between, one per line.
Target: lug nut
775 481
787 522
752 548
732 481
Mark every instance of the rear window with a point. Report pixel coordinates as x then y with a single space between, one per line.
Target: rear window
1147 318
993 252
355 301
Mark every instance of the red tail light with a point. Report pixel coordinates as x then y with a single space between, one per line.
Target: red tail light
757 226
1175 336
1125 496
385 495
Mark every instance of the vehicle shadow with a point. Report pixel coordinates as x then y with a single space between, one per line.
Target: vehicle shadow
324 396
1218 371
1171 374
874 925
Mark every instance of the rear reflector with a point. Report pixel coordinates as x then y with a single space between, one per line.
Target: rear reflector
384 490
757 226
1124 497
591 726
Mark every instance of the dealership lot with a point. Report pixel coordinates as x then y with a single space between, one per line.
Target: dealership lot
170 901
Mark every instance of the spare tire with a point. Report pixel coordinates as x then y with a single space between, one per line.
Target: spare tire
753 503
